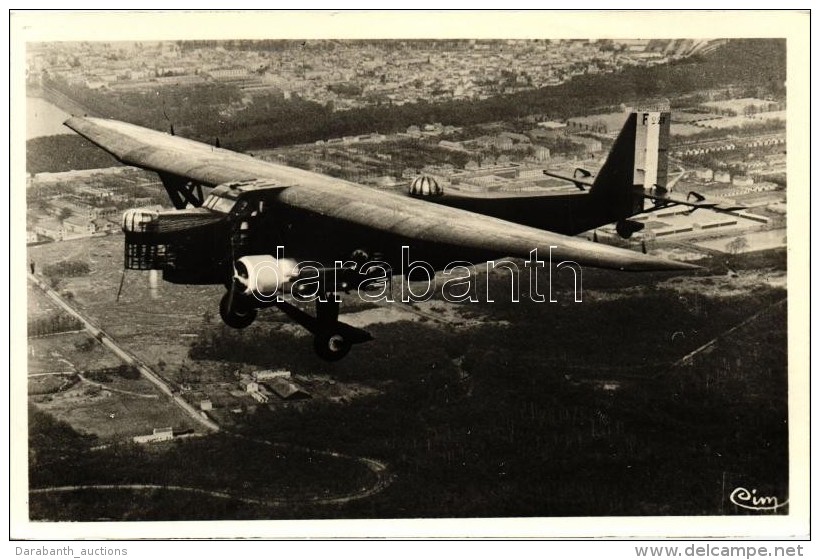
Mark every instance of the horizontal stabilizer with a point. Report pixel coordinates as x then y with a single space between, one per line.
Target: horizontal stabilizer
693 200
581 183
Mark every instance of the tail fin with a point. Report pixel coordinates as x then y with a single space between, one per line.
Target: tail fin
638 160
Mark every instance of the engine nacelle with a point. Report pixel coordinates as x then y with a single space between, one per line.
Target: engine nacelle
425 186
262 276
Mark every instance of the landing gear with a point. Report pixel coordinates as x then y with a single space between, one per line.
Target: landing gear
332 339
626 228
328 340
234 312
331 346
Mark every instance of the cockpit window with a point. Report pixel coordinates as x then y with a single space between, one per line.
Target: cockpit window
219 204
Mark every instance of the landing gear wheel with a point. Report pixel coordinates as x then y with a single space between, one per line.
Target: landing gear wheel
236 316
624 230
331 346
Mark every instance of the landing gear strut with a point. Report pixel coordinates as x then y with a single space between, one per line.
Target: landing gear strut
328 340
332 339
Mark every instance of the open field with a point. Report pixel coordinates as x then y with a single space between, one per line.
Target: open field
685 129
91 398
110 415
740 121
755 241
38 304
72 351
738 105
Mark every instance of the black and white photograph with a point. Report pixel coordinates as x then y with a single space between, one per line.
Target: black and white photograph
286 273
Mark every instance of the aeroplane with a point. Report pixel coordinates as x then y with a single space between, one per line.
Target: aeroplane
260 221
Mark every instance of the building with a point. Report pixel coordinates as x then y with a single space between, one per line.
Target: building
253 388
742 181
260 397
76 226
271 374
104 226
704 174
52 229
722 177
453 146
542 153
503 143
159 434
77 207
385 181
373 137
95 191
249 385
591 145
552 125
603 124
540 134
516 137
228 73
206 404
286 389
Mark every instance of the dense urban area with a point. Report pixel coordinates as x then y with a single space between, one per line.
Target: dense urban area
453 410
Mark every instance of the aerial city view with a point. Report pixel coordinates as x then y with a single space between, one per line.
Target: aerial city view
178 368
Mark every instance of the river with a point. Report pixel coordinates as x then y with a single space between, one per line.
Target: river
44 118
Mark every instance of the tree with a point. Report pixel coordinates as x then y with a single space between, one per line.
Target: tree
737 245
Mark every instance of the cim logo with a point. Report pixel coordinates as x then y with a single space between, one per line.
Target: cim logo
746 499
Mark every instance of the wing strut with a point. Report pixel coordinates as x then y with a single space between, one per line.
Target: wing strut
182 191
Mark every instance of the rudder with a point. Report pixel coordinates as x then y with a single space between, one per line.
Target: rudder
637 161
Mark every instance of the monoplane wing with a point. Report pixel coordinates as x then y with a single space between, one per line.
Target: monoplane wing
347 202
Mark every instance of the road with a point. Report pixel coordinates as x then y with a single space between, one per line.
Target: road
688 357
125 355
378 468
120 391
335 500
